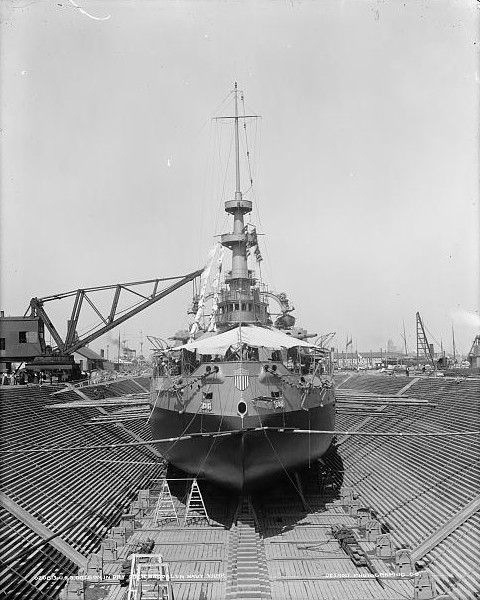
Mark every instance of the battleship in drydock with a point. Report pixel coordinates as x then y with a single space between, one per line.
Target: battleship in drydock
236 401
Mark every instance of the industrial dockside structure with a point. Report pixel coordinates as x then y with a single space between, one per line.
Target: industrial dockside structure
381 516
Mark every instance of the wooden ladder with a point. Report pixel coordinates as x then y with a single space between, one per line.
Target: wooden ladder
195 506
165 508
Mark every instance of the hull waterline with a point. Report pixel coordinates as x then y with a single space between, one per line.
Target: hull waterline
245 460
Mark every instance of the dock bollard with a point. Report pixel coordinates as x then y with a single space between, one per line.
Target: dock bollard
346 494
143 494
353 506
94 567
383 546
108 549
374 529
425 587
363 516
139 507
119 534
74 590
403 562
128 521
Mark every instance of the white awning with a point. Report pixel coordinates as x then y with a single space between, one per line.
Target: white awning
252 335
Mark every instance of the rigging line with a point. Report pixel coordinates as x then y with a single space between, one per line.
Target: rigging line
154 405
182 434
210 449
283 467
227 97
217 168
204 192
258 144
244 149
209 119
213 179
288 474
126 462
227 166
431 335
236 432
265 251
246 143
222 197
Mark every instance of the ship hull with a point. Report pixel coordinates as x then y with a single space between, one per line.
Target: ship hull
246 459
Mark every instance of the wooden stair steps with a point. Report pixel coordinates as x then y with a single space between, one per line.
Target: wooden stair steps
247 572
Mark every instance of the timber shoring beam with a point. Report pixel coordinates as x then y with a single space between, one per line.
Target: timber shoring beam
39 528
358 427
129 432
449 527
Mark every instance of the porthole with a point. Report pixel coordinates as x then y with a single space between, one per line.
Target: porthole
242 408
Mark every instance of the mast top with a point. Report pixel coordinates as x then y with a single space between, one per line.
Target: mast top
240 300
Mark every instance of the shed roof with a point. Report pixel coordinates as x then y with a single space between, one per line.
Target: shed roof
90 354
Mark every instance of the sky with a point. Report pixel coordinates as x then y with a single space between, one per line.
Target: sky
365 158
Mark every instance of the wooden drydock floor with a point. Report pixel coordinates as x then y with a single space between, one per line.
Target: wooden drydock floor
278 551
307 562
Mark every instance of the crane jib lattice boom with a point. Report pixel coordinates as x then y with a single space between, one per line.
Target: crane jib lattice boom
109 320
424 350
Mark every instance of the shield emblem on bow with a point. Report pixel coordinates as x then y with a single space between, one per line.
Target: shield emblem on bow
240 379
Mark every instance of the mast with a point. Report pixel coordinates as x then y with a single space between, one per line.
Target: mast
241 301
238 193
453 344
239 249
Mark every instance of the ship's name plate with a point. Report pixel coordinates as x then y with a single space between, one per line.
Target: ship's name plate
266 402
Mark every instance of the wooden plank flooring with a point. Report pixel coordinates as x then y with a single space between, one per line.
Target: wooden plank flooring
303 559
